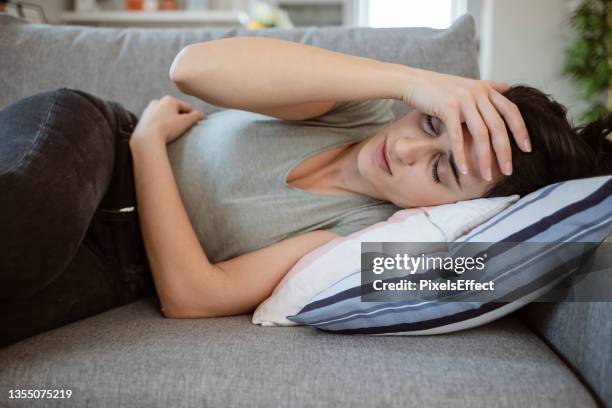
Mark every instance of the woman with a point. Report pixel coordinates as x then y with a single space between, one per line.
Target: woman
257 210
422 159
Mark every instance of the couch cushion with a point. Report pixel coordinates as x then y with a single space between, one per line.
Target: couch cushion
579 330
131 65
131 356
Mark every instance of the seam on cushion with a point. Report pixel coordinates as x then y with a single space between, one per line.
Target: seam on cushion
36 140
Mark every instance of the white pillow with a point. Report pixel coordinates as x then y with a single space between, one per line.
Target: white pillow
335 260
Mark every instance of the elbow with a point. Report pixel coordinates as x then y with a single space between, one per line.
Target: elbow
185 312
182 67
172 312
177 72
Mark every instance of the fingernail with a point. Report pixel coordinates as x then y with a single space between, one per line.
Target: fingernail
463 168
488 175
527 145
508 168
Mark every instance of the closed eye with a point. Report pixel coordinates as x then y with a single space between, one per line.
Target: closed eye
436 162
434 169
430 126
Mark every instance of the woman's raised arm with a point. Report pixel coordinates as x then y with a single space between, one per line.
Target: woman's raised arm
294 80
255 74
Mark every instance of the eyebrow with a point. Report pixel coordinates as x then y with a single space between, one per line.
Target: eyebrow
453 166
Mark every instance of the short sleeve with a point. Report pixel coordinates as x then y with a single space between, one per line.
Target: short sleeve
356 113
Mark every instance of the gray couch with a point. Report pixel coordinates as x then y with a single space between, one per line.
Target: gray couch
546 355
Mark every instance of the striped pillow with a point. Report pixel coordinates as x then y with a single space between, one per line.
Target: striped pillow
330 263
576 211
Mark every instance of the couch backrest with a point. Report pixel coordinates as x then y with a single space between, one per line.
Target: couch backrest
131 65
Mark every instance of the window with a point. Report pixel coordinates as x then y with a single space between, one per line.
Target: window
410 13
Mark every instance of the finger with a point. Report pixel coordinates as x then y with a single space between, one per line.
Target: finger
452 122
184 107
480 134
191 118
498 86
181 106
513 119
186 120
498 135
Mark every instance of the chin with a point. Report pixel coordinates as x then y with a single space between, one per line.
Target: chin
364 166
402 204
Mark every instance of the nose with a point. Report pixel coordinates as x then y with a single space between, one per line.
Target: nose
409 150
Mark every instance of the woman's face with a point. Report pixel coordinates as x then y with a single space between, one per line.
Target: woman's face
421 169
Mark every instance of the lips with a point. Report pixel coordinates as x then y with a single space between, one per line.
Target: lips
386 152
382 157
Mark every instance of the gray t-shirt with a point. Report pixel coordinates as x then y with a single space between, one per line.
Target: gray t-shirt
231 170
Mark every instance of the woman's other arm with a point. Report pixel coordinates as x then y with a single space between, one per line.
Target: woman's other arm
187 283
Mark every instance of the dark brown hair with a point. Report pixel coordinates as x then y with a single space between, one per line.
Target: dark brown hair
560 151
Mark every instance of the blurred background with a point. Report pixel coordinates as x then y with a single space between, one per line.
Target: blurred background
561 46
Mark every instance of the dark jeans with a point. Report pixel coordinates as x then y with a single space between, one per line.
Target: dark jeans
69 231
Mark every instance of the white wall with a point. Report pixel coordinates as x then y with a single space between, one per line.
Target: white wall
524 41
474 7
52 8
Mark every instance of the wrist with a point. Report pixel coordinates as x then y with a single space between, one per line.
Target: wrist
399 79
403 79
140 142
